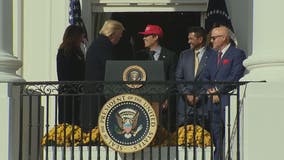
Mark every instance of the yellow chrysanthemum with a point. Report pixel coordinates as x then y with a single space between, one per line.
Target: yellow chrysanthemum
62 134
185 136
65 134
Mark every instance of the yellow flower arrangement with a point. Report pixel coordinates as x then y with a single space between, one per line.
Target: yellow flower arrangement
188 139
68 135
65 134
94 136
61 134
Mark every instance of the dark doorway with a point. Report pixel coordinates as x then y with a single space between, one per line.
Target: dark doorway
174 24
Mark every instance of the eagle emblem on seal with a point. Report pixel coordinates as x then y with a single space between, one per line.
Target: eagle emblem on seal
127 123
134 73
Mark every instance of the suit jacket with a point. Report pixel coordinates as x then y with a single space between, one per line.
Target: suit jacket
98 53
185 69
184 73
168 57
230 69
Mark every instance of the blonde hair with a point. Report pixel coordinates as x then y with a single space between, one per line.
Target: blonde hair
110 27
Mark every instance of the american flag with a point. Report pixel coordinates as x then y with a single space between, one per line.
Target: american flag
75 15
217 14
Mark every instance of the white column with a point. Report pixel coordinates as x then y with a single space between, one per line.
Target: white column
8 63
4 114
8 67
264 105
267 48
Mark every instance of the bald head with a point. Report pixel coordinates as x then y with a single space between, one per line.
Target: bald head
222 30
220 37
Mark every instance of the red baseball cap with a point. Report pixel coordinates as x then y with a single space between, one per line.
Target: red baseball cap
153 29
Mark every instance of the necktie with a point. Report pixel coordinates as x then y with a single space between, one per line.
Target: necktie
196 62
151 55
219 57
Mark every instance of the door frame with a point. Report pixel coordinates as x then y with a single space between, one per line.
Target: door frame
104 6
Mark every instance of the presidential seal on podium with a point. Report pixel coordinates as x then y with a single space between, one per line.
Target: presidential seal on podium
134 73
127 123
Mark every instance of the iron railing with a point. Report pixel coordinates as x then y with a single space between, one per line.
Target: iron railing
44 135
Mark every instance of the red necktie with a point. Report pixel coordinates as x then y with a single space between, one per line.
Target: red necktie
219 57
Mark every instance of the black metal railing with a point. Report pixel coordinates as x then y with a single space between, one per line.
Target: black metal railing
58 120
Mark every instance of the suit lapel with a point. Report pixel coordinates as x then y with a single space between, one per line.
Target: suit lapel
227 54
191 63
202 63
162 54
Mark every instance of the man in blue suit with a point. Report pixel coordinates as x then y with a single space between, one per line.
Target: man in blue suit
191 65
226 65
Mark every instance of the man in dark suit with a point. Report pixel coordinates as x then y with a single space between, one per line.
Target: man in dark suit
154 51
98 53
190 67
226 65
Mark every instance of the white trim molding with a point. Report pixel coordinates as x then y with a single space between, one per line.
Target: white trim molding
9 64
148 5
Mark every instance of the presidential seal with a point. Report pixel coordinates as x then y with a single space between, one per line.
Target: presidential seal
134 73
127 123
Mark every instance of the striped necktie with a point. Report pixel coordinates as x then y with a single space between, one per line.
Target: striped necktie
219 57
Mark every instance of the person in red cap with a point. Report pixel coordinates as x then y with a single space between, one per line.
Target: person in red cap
152 36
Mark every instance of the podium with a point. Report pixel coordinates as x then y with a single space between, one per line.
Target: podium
134 90
149 76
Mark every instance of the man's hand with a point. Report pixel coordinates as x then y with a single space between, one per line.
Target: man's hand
215 98
191 100
211 91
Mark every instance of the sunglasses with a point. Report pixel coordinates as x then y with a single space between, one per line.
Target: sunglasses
215 37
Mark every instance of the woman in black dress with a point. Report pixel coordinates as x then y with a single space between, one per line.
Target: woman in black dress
70 67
